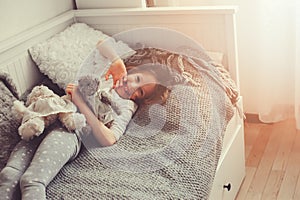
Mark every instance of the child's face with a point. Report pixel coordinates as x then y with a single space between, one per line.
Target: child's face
137 86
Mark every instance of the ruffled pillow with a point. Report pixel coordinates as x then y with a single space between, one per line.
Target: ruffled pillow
60 56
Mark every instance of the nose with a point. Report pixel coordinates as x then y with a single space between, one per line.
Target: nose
133 85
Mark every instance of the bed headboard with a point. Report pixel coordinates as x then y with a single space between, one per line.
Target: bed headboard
213 27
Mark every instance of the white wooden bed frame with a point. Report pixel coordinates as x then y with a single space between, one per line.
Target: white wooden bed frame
213 27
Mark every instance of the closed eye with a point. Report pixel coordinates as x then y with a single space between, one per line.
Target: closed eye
138 79
142 93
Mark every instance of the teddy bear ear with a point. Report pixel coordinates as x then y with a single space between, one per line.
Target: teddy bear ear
18 106
18 109
88 85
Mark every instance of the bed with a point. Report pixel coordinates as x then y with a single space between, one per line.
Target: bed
211 27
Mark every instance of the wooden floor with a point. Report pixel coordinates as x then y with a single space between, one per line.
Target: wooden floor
272 161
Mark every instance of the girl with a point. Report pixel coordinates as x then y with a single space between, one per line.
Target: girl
34 164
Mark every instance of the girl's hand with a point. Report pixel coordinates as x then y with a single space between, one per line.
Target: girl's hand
118 70
72 90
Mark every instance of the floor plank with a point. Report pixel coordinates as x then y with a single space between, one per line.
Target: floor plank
250 171
288 138
264 166
272 161
259 146
289 182
273 185
269 179
297 189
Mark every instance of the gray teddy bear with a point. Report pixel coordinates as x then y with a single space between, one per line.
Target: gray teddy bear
99 101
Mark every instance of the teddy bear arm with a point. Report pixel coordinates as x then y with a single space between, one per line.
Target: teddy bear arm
72 121
31 128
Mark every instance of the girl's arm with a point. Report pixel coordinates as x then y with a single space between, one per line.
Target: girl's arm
117 68
104 135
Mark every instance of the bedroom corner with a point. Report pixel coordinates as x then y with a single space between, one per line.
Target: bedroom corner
17 16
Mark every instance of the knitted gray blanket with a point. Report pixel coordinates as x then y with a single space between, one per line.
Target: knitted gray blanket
8 124
167 152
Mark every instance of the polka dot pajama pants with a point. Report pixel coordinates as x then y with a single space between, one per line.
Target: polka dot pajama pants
34 164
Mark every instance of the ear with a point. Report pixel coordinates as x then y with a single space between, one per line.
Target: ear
156 100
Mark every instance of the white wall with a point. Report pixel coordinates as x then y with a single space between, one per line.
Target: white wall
19 15
265 38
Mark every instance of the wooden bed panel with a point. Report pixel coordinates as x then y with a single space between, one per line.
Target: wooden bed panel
23 71
213 27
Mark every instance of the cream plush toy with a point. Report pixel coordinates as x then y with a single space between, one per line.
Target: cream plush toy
42 108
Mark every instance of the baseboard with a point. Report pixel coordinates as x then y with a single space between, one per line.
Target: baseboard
252 118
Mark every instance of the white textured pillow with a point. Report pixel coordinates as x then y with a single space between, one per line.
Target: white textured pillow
60 56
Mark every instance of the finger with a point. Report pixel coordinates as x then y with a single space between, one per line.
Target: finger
122 79
69 91
70 85
120 83
117 84
108 73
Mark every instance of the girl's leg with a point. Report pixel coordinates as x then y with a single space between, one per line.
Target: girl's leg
58 147
18 162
